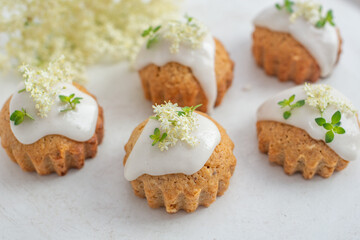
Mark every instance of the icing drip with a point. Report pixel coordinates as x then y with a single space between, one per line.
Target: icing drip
345 145
322 43
78 124
201 60
181 158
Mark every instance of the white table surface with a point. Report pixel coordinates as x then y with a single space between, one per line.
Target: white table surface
262 202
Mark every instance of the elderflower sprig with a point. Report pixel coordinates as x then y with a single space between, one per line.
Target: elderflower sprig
332 127
177 123
321 96
42 83
152 35
191 32
18 116
83 30
309 10
70 100
287 103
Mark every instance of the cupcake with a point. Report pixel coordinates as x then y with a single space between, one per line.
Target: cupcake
296 41
49 124
181 62
312 129
179 159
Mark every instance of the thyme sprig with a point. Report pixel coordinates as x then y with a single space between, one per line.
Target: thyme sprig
332 127
18 116
71 101
153 36
186 111
328 18
157 136
288 6
287 103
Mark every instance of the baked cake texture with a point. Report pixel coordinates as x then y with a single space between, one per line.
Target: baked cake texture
296 151
176 83
51 153
187 192
280 55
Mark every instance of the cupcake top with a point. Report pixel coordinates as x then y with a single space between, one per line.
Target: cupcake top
322 111
47 103
187 42
174 140
307 23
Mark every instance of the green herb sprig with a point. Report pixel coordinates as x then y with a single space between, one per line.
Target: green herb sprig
70 100
22 90
18 116
333 127
152 34
328 18
157 136
186 111
288 6
287 103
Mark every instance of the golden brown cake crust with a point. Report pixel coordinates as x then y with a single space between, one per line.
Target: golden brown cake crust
176 82
296 151
187 192
282 56
51 153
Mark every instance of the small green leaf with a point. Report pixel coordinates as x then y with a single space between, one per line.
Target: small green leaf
283 103
328 126
337 124
152 41
339 130
298 104
154 117
22 90
63 98
287 114
197 106
157 28
146 32
329 136
163 137
336 117
320 121
278 6
18 119
157 132
18 116
292 98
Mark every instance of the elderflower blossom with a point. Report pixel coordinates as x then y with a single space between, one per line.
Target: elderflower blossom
41 84
192 32
307 9
321 96
85 31
178 128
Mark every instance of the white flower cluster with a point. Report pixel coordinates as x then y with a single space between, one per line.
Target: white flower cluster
192 33
41 84
307 9
321 96
85 31
178 127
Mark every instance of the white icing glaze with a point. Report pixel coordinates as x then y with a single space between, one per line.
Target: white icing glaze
182 158
78 124
322 43
201 61
345 145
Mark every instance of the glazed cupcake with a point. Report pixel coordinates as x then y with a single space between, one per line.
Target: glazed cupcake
296 41
182 62
179 159
49 124
311 129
